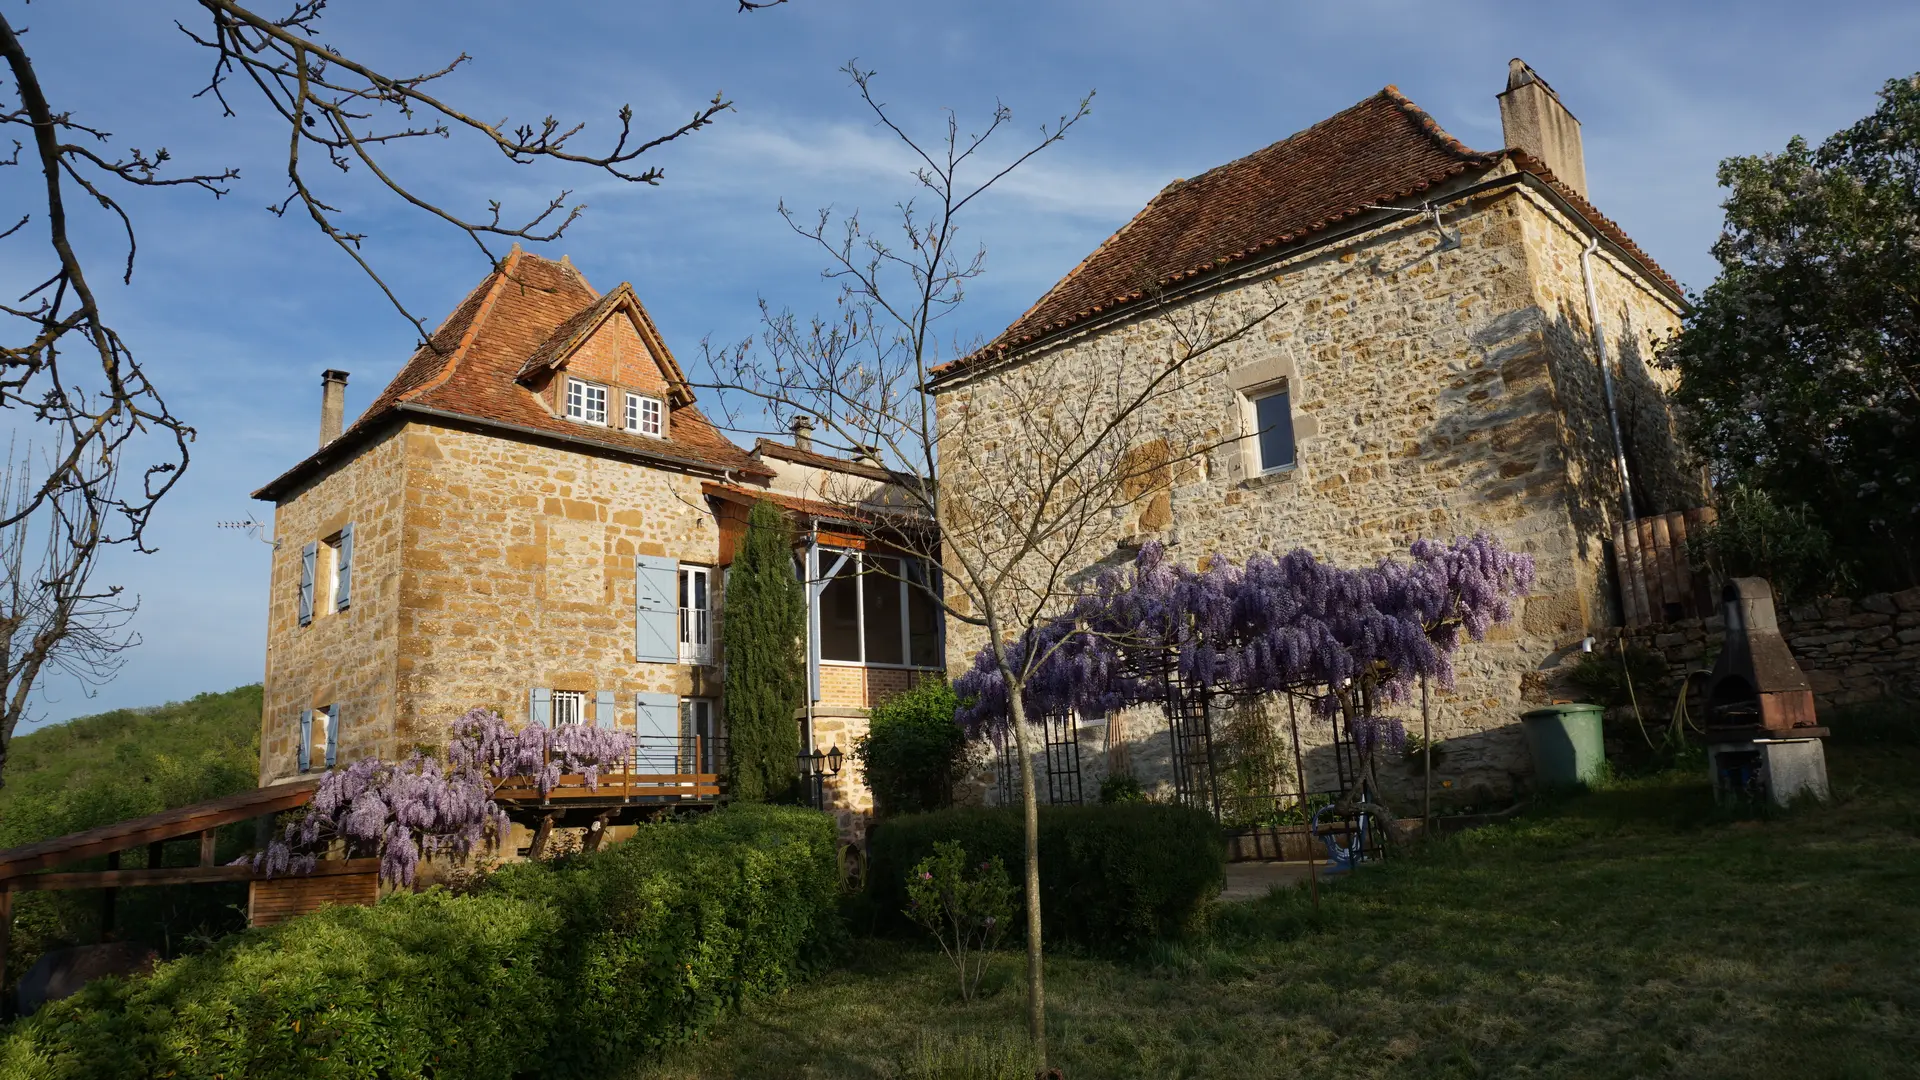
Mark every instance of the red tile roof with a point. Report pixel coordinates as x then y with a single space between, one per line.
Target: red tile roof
817 460
793 504
1383 150
528 310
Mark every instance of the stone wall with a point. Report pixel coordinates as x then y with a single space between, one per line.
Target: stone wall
345 659
1434 394
518 573
1853 651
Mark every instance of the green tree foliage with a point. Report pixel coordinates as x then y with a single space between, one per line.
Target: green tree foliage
97 770
1800 365
761 630
913 750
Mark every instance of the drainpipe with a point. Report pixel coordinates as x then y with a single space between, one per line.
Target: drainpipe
1606 374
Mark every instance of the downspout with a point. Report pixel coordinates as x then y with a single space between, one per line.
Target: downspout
1606 375
811 568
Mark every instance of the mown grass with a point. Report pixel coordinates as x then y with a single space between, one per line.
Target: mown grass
1631 931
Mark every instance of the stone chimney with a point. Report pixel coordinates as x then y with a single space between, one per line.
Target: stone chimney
1532 119
866 454
802 432
333 404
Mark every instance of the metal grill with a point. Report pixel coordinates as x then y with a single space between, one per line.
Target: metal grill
1061 733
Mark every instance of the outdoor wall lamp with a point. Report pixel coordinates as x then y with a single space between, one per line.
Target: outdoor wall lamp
814 770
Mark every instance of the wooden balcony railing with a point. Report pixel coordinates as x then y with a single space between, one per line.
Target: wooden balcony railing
664 769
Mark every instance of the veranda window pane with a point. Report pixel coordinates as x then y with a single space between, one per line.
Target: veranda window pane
923 620
883 611
840 610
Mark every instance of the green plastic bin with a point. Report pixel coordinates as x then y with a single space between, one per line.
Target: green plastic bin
1566 743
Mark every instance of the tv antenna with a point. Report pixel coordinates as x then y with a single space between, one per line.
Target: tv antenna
252 527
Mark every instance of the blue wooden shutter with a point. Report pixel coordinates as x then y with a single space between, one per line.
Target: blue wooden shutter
656 610
540 706
309 559
306 740
341 601
333 734
657 722
603 709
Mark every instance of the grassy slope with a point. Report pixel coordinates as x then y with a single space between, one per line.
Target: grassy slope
1633 931
100 769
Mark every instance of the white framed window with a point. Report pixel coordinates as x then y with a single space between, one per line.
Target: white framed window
696 615
878 610
586 402
569 707
1270 416
646 416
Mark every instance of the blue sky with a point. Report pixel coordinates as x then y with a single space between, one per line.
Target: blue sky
236 312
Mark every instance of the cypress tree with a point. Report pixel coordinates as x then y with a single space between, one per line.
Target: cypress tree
761 633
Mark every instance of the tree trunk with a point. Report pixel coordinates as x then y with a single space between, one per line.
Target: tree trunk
1030 803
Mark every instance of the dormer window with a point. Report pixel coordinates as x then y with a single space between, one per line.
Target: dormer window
586 402
645 416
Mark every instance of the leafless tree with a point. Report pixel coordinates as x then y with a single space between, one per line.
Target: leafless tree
1023 485
75 384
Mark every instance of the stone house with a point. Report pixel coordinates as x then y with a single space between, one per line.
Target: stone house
535 517
1463 342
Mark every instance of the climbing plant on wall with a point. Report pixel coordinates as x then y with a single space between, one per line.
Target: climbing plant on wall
761 630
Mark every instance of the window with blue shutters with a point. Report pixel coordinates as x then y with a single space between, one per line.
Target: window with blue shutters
657 724
343 574
305 747
309 563
540 706
605 712
333 734
656 610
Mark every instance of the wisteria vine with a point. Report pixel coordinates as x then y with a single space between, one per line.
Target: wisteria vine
423 807
1288 623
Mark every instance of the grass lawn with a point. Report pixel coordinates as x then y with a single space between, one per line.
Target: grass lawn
1631 931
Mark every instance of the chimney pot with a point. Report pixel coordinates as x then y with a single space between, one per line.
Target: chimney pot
1533 119
333 404
802 432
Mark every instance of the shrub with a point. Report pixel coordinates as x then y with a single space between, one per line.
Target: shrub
665 933
913 750
1121 787
1111 877
1614 680
414 986
552 969
1757 536
966 913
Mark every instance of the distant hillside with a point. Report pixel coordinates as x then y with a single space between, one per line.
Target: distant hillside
97 770
101 769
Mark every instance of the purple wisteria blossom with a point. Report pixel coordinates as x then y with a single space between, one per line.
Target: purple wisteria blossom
424 807
1281 623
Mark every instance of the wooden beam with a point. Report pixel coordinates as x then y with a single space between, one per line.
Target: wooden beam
178 875
206 847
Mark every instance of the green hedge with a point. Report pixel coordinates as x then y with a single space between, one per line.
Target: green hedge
561 970
1111 877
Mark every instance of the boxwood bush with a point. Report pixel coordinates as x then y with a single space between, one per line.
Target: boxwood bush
551 971
1112 877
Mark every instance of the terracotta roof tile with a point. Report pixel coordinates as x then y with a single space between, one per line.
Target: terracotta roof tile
471 366
1382 150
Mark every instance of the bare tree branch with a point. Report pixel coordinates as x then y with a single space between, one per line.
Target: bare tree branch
341 111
